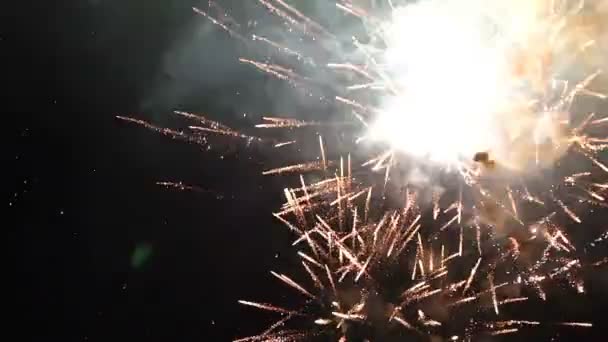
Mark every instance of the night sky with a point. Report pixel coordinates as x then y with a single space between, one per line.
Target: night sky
100 252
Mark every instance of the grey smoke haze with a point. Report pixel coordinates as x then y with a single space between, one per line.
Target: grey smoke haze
200 72
202 66
205 59
201 59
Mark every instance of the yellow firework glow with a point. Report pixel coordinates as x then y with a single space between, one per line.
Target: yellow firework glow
472 76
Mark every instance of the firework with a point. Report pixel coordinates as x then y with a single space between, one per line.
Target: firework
386 275
471 89
474 110
482 91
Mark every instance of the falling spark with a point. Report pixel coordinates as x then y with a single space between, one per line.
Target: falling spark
505 331
493 291
267 307
473 270
577 324
201 140
281 144
285 123
306 167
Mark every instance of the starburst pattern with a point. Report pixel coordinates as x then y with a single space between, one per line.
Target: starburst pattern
472 117
386 274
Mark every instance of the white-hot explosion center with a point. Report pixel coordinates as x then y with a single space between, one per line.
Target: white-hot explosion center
463 75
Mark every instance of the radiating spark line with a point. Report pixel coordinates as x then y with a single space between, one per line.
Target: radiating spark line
351 10
284 15
303 17
513 205
351 67
569 212
504 331
219 24
367 204
470 279
324 161
403 322
273 122
274 70
281 144
313 276
512 300
203 120
463 300
478 237
348 316
310 259
449 223
599 121
288 224
305 167
200 140
493 292
601 262
352 103
331 280
577 324
293 284
268 307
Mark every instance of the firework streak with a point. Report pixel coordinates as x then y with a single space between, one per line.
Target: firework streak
389 254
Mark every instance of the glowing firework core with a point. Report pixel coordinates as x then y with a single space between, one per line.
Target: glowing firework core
459 83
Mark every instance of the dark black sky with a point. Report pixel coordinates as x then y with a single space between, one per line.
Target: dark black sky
81 193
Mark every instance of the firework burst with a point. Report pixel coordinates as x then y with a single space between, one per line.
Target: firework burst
389 274
476 113
483 92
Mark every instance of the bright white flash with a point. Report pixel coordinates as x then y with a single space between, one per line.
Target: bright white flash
451 63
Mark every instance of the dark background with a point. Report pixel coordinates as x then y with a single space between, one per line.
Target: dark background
81 193
82 201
